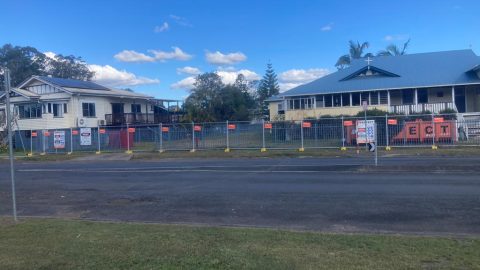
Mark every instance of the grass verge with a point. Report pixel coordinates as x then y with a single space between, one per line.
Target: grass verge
67 244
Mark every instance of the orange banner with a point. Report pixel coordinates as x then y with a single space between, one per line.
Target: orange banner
392 121
197 128
131 130
268 125
232 126
307 124
165 129
348 123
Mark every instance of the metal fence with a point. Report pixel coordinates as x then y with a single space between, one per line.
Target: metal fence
392 131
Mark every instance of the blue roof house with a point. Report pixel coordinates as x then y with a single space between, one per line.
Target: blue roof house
407 84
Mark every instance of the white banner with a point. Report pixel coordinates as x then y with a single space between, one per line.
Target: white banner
365 135
85 136
59 139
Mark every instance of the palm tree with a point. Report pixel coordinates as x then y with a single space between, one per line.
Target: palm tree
394 50
356 51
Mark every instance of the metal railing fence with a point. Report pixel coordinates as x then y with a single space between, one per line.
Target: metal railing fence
339 132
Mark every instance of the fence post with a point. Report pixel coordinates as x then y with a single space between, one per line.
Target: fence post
193 137
98 141
263 137
302 149
387 147
161 137
128 140
31 144
343 136
43 143
71 142
228 140
434 147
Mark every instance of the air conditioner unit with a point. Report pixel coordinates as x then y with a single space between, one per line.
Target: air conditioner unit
82 122
101 122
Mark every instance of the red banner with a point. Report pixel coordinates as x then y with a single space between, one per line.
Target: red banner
131 130
165 129
268 125
438 119
34 134
46 134
74 132
392 121
102 131
232 126
197 128
348 123
307 125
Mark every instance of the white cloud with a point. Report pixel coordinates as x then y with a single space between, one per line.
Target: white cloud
161 28
398 37
218 58
181 20
187 83
50 55
110 76
295 77
162 56
133 56
230 76
327 27
176 54
188 70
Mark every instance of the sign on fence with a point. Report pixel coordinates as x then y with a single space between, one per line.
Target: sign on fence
34 134
232 126
74 132
307 124
131 130
392 122
365 134
102 131
348 123
85 136
59 139
197 128
165 129
268 125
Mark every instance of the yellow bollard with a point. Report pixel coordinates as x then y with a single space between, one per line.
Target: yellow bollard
301 149
388 148
434 147
263 150
227 150
343 148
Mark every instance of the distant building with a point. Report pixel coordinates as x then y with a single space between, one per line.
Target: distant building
407 84
53 103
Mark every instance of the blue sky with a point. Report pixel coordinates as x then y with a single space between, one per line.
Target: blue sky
156 47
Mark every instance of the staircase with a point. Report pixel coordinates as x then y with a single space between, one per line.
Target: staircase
469 123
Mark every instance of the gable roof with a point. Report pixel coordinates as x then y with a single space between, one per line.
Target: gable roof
79 87
412 70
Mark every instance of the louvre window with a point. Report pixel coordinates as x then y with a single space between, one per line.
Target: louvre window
28 111
88 109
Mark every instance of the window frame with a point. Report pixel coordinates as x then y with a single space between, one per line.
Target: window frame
90 109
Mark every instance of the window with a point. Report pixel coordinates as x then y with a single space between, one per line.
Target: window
345 99
407 96
328 101
49 105
65 108
27 111
136 108
383 97
337 100
319 101
365 97
88 109
300 103
422 95
57 110
355 99
374 98
440 94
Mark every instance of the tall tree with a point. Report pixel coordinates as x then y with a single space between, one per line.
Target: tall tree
394 50
211 100
267 87
69 67
355 51
25 62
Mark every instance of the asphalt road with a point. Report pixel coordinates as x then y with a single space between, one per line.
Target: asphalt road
410 195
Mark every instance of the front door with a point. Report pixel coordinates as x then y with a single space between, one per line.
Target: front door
118 117
460 100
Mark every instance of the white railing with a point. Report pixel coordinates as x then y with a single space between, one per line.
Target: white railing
421 108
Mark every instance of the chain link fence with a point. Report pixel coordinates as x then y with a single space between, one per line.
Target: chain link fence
392 131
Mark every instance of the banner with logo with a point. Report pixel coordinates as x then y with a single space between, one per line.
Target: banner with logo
59 139
85 136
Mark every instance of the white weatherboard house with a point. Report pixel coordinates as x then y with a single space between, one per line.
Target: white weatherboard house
53 103
409 84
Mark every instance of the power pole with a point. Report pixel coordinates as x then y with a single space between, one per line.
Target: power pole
6 73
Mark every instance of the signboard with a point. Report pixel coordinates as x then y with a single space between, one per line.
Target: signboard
307 125
34 134
46 133
365 105
85 136
348 123
131 130
197 128
365 134
268 125
438 119
392 121
74 132
232 126
59 139
165 129
372 147
102 131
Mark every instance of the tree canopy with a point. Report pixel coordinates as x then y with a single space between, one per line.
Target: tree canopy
211 100
267 87
25 62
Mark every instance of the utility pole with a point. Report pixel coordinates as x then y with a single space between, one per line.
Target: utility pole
6 73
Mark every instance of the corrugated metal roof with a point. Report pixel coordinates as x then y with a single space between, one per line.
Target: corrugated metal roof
414 70
72 83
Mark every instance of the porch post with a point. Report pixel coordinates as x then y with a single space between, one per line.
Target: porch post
388 100
453 95
416 97
351 100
